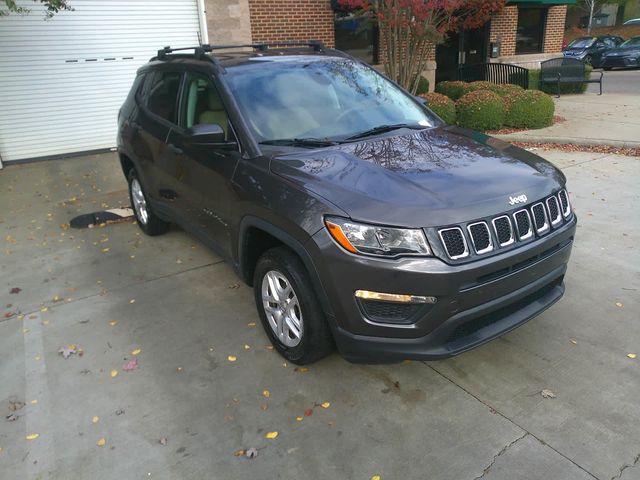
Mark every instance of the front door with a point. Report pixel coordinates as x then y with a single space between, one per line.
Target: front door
468 47
206 170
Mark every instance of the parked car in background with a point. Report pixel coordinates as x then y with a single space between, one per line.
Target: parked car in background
633 21
626 55
591 49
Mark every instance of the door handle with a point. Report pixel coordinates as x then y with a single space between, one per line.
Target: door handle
175 149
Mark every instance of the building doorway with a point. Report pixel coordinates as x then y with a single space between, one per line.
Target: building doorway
468 47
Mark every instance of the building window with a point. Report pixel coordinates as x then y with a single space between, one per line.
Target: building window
357 35
530 33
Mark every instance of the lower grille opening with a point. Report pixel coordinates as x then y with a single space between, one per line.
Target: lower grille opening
391 312
472 326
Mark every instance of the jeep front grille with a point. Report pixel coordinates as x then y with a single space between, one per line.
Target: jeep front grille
480 237
564 203
454 242
502 231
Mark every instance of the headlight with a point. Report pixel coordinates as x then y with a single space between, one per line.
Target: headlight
373 240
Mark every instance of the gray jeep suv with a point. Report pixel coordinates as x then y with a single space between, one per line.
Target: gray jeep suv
360 219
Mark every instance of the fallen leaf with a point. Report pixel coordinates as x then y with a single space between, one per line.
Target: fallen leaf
301 369
95 419
162 441
231 358
136 351
251 452
271 435
631 355
67 351
618 304
269 347
233 286
299 419
266 393
130 365
179 369
325 404
44 309
251 324
101 442
15 290
376 477
12 417
548 393
308 412
56 298
33 436
113 323
34 402
264 406
573 341
239 453
133 300
247 347
15 405
114 373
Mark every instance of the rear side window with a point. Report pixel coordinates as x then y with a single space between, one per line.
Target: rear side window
162 94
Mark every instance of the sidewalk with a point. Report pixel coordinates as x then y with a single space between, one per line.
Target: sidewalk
608 119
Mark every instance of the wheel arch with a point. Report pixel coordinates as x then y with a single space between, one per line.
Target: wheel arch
256 236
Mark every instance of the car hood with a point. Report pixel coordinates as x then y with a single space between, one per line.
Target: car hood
622 52
428 178
574 51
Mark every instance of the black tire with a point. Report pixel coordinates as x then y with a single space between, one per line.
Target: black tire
316 341
152 225
588 60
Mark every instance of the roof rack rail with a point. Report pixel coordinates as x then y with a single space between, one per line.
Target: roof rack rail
200 50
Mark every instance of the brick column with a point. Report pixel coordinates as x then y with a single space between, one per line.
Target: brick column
503 27
554 29
282 20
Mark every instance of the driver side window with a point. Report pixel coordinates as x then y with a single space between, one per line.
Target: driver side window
203 105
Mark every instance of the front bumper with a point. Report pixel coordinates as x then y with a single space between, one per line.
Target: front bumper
477 301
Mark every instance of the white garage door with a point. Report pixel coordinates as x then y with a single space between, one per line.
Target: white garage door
63 80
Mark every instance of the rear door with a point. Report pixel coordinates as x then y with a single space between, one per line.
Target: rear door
206 170
159 161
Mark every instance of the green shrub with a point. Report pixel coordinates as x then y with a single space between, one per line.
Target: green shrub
477 85
442 105
480 110
505 89
528 109
534 83
452 89
423 86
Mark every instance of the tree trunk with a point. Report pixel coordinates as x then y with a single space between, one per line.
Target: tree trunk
591 5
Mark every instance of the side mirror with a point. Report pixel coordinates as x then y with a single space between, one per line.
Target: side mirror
207 134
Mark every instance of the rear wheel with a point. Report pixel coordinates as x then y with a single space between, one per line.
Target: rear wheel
588 60
289 310
148 221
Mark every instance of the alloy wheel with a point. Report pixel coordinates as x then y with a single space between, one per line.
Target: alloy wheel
282 308
139 202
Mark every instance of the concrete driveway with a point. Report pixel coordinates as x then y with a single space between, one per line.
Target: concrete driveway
625 81
112 291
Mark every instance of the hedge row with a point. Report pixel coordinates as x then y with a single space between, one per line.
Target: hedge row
487 106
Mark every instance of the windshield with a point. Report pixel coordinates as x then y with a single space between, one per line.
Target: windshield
632 42
581 42
320 98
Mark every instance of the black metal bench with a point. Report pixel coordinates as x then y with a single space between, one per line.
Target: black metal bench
565 70
495 73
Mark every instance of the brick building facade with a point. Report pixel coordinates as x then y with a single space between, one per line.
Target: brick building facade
526 31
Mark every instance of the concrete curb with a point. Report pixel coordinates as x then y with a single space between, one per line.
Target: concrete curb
514 137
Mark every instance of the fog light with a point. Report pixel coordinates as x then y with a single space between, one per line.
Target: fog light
394 297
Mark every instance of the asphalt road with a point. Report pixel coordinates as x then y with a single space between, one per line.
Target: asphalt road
205 385
618 81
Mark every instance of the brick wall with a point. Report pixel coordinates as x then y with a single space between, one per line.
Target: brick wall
228 21
554 29
503 27
282 20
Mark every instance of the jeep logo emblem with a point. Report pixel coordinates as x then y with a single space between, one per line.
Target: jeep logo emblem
516 200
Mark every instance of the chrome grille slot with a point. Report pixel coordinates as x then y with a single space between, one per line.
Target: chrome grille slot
554 211
480 237
539 218
523 224
504 230
454 242
564 203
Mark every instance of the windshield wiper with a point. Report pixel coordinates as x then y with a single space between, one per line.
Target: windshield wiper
302 142
384 129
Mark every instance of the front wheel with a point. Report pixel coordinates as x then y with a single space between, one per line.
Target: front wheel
288 308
